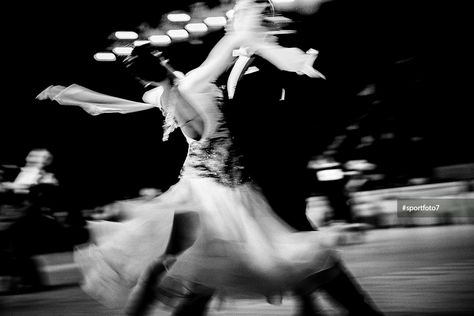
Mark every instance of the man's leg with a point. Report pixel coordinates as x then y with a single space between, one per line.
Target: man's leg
341 286
344 289
197 305
306 304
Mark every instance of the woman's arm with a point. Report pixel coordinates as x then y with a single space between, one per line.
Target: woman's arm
197 87
214 65
198 90
245 27
93 102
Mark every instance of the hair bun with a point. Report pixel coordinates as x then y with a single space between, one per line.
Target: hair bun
144 63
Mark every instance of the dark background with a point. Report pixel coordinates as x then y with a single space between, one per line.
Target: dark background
413 51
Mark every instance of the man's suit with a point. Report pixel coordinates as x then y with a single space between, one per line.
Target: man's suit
271 115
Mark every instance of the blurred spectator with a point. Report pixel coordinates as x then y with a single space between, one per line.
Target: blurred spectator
29 226
35 184
34 172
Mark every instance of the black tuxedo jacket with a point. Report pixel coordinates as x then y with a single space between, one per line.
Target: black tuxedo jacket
273 119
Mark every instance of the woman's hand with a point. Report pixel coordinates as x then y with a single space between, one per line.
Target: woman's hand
50 92
246 24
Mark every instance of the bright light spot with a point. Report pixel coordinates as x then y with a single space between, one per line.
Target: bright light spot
140 42
283 1
162 40
178 34
122 50
196 27
330 174
104 56
215 21
126 35
178 17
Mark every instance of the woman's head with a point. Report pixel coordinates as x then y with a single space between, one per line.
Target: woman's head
150 68
147 65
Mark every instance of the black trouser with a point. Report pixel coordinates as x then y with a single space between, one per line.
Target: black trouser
342 287
339 199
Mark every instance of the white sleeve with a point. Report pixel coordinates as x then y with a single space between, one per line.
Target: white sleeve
93 102
290 59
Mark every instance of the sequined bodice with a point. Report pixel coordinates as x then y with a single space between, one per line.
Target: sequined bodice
217 155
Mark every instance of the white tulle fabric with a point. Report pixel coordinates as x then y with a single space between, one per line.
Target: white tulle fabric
242 247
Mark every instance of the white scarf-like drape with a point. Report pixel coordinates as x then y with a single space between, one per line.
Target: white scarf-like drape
285 58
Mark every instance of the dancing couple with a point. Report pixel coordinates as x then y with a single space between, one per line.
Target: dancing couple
213 233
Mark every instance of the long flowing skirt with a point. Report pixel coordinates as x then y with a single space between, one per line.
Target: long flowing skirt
242 247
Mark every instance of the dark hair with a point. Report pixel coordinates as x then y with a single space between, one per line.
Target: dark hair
146 63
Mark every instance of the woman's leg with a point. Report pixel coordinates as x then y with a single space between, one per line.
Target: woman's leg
183 235
143 295
184 232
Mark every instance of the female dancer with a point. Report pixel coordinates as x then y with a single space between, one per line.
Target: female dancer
212 233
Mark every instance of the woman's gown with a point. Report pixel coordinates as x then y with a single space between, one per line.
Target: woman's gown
242 247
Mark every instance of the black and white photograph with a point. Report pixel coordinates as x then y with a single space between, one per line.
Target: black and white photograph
236 157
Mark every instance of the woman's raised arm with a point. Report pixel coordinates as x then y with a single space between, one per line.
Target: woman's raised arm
244 28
